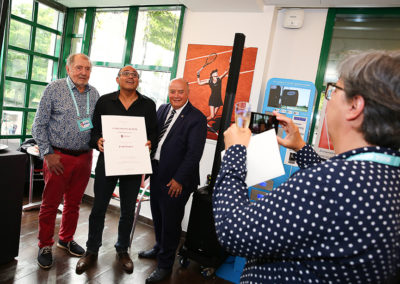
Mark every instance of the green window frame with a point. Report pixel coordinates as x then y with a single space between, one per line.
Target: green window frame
129 38
64 49
31 54
325 50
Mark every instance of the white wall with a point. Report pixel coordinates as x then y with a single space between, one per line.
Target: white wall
281 53
295 52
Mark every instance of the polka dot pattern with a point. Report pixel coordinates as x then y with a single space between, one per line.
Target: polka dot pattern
334 221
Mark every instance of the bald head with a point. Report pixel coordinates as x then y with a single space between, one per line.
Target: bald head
178 92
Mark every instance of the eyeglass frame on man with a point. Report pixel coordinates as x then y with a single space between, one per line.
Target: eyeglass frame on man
127 74
328 95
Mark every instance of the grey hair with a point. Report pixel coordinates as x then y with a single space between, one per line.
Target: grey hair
375 75
71 59
185 82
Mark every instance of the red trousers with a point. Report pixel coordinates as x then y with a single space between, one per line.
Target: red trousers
70 185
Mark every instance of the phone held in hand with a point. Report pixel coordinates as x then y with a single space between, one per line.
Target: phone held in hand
260 122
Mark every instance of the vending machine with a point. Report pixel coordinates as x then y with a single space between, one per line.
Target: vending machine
295 99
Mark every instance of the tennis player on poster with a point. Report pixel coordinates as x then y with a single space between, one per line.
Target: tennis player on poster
215 83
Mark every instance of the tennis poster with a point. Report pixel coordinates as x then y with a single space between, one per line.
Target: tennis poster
206 70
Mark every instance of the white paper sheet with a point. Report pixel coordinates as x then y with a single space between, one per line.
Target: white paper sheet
263 158
125 152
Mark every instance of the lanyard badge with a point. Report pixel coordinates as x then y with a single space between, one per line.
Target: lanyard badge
85 123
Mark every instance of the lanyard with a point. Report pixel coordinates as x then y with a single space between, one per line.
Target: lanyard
377 157
73 98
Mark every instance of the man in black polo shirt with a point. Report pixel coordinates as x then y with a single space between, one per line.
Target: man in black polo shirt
127 101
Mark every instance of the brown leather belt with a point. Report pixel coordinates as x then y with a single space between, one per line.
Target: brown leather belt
71 152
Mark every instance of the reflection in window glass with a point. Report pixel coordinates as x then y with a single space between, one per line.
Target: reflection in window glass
154 85
22 8
109 36
155 37
360 32
14 94
42 69
11 124
79 22
76 45
20 34
17 63
48 16
45 42
104 79
35 95
29 122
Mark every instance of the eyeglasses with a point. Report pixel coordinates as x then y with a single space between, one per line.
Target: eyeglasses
330 88
127 74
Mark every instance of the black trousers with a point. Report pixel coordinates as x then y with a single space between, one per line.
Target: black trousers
103 189
167 215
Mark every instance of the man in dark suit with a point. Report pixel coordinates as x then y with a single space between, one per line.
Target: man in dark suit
182 135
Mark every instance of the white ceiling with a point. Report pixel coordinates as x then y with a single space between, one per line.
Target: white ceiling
234 5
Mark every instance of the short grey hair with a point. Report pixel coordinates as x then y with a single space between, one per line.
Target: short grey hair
71 58
375 75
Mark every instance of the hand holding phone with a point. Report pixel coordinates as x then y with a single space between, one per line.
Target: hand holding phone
260 122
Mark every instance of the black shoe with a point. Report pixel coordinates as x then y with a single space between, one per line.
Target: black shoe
85 262
158 275
45 257
151 253
72 247
125 261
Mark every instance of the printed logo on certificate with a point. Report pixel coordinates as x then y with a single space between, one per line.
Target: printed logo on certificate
125 152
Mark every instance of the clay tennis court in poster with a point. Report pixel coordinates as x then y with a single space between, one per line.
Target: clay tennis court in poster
207 71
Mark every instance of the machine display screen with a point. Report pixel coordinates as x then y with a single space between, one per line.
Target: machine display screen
291 98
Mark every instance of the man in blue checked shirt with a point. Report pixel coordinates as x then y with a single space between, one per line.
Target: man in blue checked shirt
62 129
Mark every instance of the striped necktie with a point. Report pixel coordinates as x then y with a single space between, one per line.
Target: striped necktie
166 124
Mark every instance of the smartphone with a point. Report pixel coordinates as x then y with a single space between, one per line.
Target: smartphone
260 122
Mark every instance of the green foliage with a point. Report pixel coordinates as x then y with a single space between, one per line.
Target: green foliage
162 28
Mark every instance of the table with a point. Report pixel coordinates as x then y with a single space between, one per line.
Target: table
12 179
32 152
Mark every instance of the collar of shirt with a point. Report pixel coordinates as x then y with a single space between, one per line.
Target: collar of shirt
377 149
87 87
116 94
178 111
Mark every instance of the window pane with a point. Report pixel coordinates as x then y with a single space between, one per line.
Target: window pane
12 143
48 16
22 8
42 69
79 22
103 79
31 117
35 95
14 94
20 34
45 42
154 85
155 37
109 36
361 32
76 45
17 63
12 122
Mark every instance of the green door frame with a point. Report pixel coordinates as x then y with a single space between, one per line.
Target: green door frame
326 44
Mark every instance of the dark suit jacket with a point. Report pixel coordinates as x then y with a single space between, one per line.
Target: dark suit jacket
183 147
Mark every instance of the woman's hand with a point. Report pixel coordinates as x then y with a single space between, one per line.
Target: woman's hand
293 139
236 135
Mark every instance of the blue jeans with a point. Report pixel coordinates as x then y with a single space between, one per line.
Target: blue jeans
103 189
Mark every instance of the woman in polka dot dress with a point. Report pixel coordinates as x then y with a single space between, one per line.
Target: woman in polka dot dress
334 221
